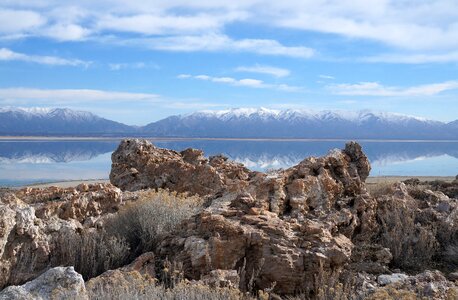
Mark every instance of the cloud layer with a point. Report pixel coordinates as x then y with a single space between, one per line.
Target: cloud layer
427 28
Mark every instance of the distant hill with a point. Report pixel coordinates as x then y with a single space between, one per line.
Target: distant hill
267 123
233 123
55 122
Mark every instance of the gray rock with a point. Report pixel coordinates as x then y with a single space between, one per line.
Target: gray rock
56 283
389 279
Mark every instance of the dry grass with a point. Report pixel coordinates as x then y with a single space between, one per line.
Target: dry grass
411 244
90 252
134 286
156 213
133 230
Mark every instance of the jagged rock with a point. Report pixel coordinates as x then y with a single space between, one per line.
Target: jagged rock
284 228
33 221
56 283
137 164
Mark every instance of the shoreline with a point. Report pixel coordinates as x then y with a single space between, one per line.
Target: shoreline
371 180
64 138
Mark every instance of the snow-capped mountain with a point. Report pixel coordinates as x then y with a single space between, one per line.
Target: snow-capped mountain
269 123
233 123
58 121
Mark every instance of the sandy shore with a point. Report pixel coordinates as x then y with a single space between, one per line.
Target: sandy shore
370 181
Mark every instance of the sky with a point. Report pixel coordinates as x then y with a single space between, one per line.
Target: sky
138 61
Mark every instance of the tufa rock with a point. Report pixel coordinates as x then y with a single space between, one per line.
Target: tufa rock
56 283
137 164
286 228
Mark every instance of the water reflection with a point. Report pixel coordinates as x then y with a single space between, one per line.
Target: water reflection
23 162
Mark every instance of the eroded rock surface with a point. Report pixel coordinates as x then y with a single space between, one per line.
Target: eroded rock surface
56 283
284 228
35 223
137 164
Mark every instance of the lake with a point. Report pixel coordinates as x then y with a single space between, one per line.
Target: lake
32 161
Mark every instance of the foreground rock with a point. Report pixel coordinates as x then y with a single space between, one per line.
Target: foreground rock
40 228
56 283
288 228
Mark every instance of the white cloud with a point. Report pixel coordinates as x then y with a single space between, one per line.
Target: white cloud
269 70
418 26
220 42
450 57
246 82
122 66
377 89
326 76
9 55
66 32
154 24
28 95
17 21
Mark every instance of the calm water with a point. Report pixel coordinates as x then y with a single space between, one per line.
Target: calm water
25 162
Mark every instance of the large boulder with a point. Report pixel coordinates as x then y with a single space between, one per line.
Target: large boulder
56 283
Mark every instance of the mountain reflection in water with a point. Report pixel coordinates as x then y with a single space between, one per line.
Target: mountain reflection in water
23 162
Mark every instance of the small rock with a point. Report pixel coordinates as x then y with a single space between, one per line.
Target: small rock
389 279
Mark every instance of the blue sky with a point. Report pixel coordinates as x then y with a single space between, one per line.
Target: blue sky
140 61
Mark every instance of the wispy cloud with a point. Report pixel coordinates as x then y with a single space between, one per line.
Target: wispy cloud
220 43
412 58
326 76
8 95
246 82
269 70
377 89
9 55
135 65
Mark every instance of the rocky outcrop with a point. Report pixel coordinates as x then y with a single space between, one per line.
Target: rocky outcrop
289 228
36 224
56 283
137 164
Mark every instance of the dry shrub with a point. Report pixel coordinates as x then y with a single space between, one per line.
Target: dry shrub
91 252
391 293
133 230
411 244
134 286
380 188
155 213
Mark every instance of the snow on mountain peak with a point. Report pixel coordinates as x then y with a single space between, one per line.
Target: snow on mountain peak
63 113
290 114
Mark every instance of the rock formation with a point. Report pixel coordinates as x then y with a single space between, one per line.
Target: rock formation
287 227
137 164
56 283
36 223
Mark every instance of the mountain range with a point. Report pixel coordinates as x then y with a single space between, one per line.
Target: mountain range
233 123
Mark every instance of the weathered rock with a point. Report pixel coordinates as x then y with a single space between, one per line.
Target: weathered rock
56 283
33 220
391 278
137 164
284 228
